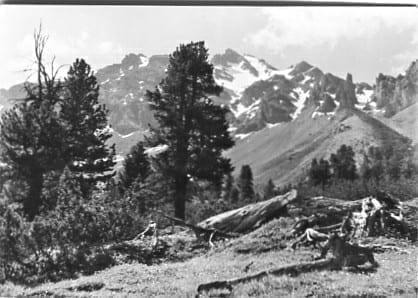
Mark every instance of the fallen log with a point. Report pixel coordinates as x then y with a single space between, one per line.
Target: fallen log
292 270
330 228
383 248
249 217
344 255
201 233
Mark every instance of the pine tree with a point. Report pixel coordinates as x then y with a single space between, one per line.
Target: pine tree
320 173
245 184
135 166
376 167
343 164
87 129
314 174
234 195
227 187
269 190
190 124
29 137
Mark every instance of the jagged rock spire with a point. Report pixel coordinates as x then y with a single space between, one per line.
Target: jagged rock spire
346 93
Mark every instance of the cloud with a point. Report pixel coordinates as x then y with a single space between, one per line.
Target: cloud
109 47
64 49
309 27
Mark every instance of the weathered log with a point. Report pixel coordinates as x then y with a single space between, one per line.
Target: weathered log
292 270
249 217
201 233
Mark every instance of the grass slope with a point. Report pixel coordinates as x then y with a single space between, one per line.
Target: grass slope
396 275
404 122
284 153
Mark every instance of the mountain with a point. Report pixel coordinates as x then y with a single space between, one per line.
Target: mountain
395 94
9 96
281 118
258 94
123 87
396 101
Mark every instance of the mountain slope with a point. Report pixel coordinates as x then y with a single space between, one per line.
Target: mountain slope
405 122
123 87
9 96
284 153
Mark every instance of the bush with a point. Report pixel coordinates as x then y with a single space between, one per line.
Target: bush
404 189
67 240
205 203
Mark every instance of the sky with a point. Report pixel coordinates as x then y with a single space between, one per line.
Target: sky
362 41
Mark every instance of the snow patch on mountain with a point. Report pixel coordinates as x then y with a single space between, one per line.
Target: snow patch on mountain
300 102
250 110
365 96
306 79
271 125
126 136
319 114
241 78
364 99
333 95
243 135
284 72
264 70
144 61
105 82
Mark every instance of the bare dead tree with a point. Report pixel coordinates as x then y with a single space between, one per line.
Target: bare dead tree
48 86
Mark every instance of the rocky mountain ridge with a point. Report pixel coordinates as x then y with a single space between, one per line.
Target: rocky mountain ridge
395 94
258 94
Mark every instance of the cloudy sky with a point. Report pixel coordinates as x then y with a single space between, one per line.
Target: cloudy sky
363 41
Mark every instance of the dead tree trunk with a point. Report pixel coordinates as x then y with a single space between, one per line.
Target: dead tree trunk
201 233
249 217
290 270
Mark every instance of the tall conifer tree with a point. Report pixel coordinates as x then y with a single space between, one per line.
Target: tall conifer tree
343 164
135 166
190 124
86 128
246 184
